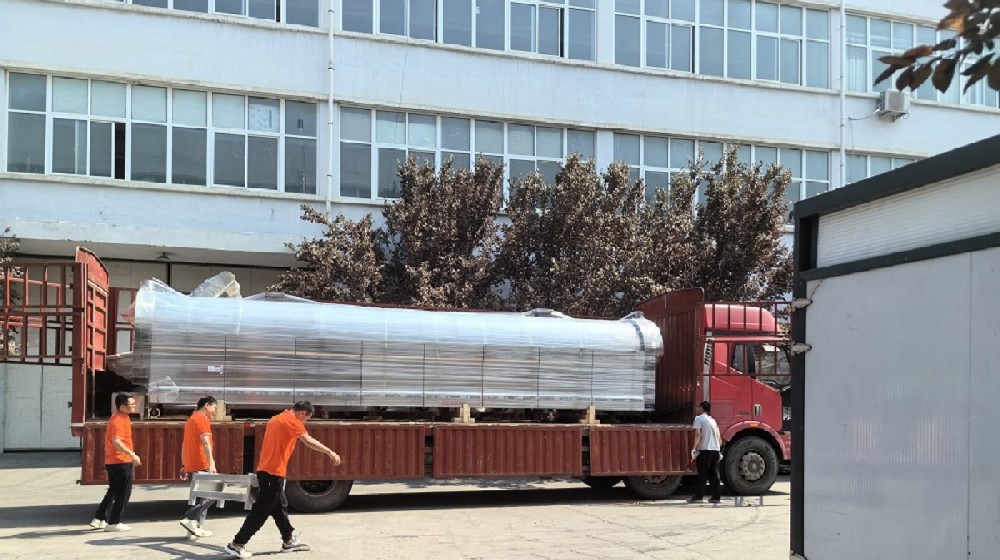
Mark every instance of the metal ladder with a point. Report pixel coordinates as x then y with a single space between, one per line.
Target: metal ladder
223 488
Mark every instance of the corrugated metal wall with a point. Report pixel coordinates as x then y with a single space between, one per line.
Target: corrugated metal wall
499 450
680 316
370 451
159 444
635 450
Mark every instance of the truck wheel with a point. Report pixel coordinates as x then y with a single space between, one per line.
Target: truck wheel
312 496
749 467
653 487
601 482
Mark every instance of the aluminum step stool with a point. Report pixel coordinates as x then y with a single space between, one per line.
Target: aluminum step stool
738 500
223 488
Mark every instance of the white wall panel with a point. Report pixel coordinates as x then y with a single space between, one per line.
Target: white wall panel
57 392
984 484
886 453
956 209
23 407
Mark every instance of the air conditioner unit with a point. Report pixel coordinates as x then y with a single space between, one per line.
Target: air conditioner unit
893 104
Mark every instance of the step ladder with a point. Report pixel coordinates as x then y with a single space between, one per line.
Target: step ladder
223 488
738 500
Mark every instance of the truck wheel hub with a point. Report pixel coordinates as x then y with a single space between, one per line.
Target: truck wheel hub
656 479
752 466
316 486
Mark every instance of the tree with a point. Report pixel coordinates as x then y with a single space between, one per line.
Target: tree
345 264
9 244
736 247
575 246
977 25
441 235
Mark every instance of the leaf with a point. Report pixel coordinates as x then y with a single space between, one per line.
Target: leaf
993 79
905 79
945 45
885 74
954 21
943 74
897 61
917 52
920 75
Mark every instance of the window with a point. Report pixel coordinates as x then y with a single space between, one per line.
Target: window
861 166
373 143
299 12
565 28
744 39
166 135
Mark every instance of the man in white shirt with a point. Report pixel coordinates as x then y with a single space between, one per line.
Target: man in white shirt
707 443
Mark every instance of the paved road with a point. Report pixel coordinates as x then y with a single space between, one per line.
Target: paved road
43 514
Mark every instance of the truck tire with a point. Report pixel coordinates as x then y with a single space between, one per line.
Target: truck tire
313 496
749 466
601 482
653 487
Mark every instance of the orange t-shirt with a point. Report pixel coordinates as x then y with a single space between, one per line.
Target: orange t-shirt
120 426
194 452
283 430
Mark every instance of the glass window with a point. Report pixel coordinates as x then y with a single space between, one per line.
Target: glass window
264 115
458 22
550 31
229 7
355 170
149 152
549 142
423 131
490 24
857 68
489 137
880 165
389 160
713 12
712 151
656 151
627 148
817 24
767 58
228 111
522 139
711 53
791 20
520 168
189 155
549 170
582 31
69 145
814 188
423 19
192 5
739 54
190 108
857 168
627 7
581 142
102 157
818 166
857 30
682 10
739 14
817 66
261 9
69 95
262 164
766 155
422 158
522 27
149 103
656 44
458 160
300 165
902 36
26 143
151 3
356 124
791 159
455 134
655 181
767 17
300 118
358 16
230 159
392 17
881 32
681 153
107 99
682 48
390 127
790 61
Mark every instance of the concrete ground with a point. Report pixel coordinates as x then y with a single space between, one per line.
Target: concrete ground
44 513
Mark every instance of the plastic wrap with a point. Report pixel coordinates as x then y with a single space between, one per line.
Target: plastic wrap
271 352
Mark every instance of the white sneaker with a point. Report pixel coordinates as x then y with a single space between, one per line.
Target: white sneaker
237 550
98 523
191 525
118 527
294 544
203 533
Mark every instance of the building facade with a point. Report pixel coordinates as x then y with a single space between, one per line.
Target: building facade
177 138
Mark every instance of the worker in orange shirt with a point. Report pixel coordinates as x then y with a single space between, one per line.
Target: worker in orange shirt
198 457
283 430
119 459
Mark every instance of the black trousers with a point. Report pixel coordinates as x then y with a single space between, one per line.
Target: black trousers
119 491
708 468
270 502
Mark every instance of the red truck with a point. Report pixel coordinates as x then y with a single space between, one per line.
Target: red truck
731 354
